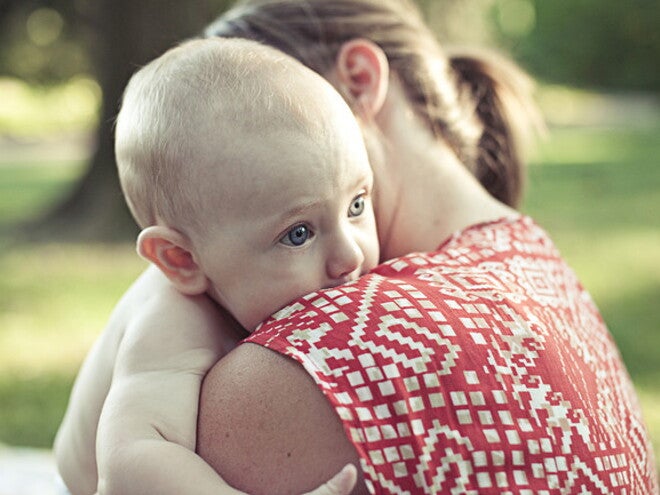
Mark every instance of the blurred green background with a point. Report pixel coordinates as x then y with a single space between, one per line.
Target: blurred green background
66 243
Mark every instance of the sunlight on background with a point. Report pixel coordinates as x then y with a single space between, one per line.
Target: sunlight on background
29 110
44 26
516 18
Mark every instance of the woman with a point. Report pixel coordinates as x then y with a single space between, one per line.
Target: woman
479 364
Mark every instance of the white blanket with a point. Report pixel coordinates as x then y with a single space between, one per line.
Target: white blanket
26 471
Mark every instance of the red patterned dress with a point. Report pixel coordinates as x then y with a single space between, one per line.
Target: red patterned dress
483 367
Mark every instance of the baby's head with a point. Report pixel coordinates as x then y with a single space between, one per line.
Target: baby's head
248 175
190 113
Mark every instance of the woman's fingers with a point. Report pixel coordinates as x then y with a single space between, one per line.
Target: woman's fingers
340 484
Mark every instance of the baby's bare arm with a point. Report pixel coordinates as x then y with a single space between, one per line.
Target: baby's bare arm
76 438
75 443
147 431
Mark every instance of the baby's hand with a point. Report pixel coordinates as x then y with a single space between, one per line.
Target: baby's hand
340 484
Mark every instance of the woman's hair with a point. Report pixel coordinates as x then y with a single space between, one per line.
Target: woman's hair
478 103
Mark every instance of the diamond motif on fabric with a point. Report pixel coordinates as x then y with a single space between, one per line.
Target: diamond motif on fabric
481 368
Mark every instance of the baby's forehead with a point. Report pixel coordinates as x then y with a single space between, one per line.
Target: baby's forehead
260 174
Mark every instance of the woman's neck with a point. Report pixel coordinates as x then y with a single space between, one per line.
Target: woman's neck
430 194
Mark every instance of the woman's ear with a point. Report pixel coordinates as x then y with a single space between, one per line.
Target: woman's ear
171 252
362 70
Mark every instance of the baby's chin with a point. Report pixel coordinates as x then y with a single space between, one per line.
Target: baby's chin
251 326
255 321
279 314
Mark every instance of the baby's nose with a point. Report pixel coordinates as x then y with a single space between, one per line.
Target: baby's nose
345 260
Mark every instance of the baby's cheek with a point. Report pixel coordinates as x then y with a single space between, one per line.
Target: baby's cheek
373 255
262 308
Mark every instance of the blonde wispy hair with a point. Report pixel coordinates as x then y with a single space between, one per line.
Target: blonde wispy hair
218 89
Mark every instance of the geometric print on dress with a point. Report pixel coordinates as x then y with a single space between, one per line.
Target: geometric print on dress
481 368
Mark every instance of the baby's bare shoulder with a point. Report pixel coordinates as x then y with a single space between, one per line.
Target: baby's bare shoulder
165 329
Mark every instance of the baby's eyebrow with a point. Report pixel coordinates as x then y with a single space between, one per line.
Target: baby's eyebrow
366 177
302 208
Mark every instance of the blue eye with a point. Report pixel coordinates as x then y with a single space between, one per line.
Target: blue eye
297 236
357 206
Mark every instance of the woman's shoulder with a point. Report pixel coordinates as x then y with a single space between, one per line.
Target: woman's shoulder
512 234
261 415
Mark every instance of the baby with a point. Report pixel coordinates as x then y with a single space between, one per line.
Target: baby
248 175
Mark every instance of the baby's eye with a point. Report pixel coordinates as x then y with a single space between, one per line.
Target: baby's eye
357 206
297 236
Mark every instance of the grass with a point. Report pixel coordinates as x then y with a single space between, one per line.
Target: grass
56 301
597 191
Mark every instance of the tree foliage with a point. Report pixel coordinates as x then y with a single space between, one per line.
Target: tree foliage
44 42
601 44
597 43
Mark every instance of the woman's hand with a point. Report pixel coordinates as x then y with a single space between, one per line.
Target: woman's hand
340 484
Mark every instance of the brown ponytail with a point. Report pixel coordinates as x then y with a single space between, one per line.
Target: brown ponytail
501 93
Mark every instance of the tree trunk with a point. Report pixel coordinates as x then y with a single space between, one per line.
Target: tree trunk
124 36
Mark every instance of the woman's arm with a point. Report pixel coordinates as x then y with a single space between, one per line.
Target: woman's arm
266 428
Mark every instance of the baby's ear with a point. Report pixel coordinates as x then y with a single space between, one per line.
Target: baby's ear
171 251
